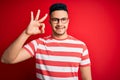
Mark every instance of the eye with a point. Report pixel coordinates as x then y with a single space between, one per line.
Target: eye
64 19
54 19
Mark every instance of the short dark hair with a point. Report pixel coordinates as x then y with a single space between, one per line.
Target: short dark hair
57 6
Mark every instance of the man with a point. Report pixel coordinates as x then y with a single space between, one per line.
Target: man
58 56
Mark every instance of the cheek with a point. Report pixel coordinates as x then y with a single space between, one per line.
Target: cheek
53 26
67 25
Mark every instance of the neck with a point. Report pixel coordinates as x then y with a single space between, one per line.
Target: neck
60 37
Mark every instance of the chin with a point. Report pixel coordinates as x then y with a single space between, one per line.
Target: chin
60 34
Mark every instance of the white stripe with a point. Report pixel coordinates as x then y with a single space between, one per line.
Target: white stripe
62 41
63 49
85 52
35 44
84 62
56 68
58 58
45 77
29 48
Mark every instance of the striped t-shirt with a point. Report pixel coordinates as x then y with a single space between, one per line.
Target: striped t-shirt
58 59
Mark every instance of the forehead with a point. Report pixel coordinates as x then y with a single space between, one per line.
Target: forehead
59 14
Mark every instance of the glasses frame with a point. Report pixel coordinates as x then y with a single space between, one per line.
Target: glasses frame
57 20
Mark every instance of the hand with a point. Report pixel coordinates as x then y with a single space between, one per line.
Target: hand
35 24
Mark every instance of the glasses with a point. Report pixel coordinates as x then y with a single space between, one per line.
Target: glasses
56 20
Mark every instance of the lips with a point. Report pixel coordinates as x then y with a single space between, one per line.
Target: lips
58 27
59 30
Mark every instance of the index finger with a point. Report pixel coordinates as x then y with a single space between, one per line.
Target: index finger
43 18
38 14
32 17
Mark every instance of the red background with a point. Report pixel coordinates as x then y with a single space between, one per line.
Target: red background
96 22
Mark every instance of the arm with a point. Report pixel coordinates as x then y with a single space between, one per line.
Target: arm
86 73
15 53
15 49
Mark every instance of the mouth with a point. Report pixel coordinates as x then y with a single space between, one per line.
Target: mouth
59 28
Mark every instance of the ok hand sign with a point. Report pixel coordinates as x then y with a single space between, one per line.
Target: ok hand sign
35 24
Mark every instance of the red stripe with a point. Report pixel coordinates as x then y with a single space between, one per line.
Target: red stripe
56 53
39 41
28 51
61 44
57 63
85 65
84 48
32 46
57 74
85 57
64 45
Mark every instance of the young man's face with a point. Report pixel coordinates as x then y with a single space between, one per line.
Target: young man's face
59 22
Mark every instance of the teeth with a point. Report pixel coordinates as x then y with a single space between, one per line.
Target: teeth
59 27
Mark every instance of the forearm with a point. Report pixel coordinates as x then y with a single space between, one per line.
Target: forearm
86 78
13 50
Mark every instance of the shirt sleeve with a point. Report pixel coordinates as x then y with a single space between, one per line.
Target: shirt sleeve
31 47
85 59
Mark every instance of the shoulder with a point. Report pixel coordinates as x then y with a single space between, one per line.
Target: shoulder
44 39
76 40
80 43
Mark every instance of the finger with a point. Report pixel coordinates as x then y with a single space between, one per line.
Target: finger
32 17
43 18
42 28
38 14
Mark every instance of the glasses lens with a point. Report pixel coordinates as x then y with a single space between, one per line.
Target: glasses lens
64 20
56 20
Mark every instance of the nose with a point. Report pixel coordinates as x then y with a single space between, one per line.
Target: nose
59 22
